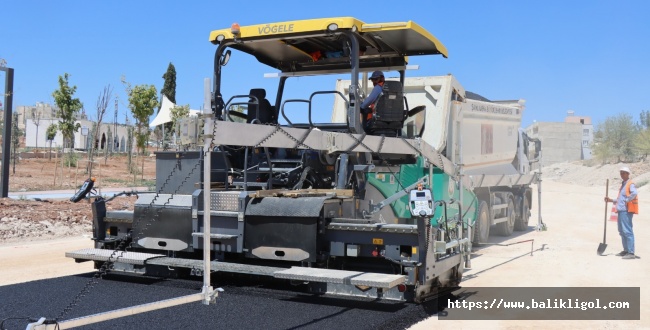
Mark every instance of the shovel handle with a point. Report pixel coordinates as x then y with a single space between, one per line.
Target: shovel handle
606 200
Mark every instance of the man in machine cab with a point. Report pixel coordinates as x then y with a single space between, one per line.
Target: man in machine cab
368 105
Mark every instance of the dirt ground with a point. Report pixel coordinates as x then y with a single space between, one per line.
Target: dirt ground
39 173
564 255
24 219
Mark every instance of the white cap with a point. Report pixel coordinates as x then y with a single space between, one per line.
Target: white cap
625 169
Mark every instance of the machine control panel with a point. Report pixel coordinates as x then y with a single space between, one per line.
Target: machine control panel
421 203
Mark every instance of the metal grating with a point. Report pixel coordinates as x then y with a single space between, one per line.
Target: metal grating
308 207
224 201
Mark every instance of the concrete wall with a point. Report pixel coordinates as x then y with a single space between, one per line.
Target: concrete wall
561 142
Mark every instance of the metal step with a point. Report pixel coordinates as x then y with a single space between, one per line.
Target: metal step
216 236
377 280
135 258
215 266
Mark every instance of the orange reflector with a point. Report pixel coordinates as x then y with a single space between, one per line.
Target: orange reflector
234 28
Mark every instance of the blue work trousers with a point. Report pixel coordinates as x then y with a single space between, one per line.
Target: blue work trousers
625 230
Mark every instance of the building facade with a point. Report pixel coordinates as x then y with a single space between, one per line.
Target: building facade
566 141
34 121
110 136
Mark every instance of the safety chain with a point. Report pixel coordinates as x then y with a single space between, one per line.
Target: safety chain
381 143
442 164
298 142
107 265
302 140
359 142
375 153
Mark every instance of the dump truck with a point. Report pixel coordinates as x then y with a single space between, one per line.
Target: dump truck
500 162
385 210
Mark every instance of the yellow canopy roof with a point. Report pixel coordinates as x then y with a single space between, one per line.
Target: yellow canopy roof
314 44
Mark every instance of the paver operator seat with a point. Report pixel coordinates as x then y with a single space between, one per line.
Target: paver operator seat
390 111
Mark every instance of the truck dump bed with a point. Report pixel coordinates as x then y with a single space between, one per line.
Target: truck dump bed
489 129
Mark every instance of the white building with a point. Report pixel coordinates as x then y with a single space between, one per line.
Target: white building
116 140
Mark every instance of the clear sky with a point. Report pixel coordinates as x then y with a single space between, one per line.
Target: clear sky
588 56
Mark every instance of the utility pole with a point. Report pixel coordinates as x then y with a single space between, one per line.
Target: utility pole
6 135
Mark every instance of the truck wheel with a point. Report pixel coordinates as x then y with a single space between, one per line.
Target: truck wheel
481 231
505 228
522 219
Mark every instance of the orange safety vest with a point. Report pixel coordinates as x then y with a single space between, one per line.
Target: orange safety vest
633 205
372 106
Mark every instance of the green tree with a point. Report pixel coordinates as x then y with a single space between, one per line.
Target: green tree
178 112
642 142
614 138
129 147
68 106
109 144
169 90
16 133
645 119
50 134
169 87
103 100
142 102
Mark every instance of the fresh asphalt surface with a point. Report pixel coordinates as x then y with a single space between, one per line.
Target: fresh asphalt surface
240 306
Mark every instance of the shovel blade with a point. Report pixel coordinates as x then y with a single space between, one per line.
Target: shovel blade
601 248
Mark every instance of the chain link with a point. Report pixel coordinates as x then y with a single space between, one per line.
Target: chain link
442 164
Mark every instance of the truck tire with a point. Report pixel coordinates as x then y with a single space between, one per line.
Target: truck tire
505 228
524 216
481 231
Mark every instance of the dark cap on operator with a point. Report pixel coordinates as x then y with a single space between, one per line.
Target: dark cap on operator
376 75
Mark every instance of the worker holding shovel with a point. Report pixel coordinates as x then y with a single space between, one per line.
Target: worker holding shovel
627 205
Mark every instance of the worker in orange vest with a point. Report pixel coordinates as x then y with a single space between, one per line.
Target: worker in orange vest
627 205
